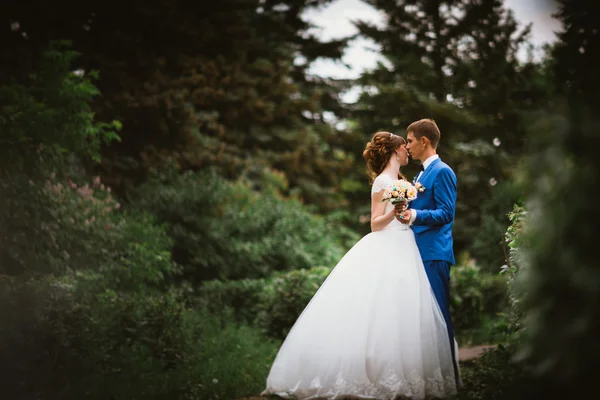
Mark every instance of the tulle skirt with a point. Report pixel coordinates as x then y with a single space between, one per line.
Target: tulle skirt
372 331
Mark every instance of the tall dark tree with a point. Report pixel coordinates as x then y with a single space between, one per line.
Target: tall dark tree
199 83
496 82
563 280
454 61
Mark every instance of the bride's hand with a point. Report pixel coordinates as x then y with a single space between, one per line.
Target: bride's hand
405 216
400 207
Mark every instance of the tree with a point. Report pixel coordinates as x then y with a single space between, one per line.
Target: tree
203 84
563 277
456 62
504 90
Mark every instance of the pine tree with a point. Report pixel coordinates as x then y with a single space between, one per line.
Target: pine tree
504 91
420 43
199 83
563 277
455 61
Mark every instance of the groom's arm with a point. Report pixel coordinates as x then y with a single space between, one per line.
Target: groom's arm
444 196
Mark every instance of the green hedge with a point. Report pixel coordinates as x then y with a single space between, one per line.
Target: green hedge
227 230
272 304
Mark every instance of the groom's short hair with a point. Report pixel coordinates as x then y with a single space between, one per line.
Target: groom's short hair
425 127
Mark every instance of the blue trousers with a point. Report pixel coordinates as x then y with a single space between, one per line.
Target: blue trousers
438 273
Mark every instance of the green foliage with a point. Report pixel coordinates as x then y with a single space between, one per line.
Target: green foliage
552 268
233 360
209 87
285 296
272 304
241 297
87 306
516 265
494 376
488 243
477 297
500 373
49 116
107 325
228 230
563 278
455 61
44 122
111 344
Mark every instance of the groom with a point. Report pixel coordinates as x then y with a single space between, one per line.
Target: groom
431 215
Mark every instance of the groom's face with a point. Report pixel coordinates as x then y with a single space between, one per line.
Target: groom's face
414 147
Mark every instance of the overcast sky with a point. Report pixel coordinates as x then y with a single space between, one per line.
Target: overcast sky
334 22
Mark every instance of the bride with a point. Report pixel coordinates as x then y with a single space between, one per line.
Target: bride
373 330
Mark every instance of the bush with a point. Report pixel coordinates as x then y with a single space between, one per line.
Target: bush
499 374
285 296
96 311
476 296
488 246
493 376
57 344
109 326
516 265
225 230
271 304
44 122
242 298
86 304
233 360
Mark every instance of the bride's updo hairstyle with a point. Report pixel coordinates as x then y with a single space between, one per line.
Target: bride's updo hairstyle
379 151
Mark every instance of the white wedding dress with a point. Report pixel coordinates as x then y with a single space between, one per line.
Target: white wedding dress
373 330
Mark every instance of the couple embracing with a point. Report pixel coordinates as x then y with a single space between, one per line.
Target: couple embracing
379 327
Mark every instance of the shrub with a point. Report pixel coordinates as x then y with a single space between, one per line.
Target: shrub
58 344
271 304
233 360
109 325
86 306
499 374
515 266
285 296
44 122
476 296
225 230
493 376
242 297
487 245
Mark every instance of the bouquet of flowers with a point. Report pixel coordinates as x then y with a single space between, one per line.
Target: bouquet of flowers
401 191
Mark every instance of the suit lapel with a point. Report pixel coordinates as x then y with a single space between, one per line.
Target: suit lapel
428 170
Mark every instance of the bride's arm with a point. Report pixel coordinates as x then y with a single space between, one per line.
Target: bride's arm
380 219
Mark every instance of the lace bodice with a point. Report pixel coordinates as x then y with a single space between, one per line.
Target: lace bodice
380 183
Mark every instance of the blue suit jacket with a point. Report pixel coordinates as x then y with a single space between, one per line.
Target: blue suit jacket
435 212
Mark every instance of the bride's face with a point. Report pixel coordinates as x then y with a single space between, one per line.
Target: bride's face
402 155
